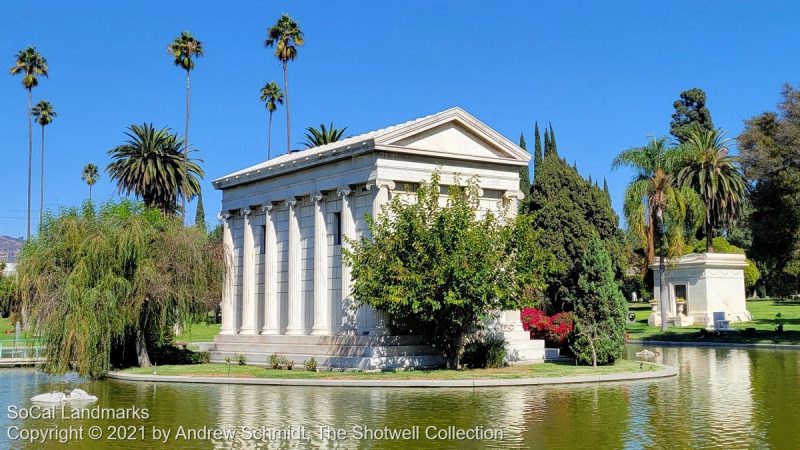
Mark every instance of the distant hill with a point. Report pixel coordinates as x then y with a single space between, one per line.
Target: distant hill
9 248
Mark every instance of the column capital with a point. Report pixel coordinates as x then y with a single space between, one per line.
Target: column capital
317 196
223 215
267 206
344 191
519 195
245 212
380 184
291 202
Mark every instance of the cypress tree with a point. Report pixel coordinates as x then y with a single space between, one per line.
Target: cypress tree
605 189
547 148
524 177
600 309
537 154
200 214
554 147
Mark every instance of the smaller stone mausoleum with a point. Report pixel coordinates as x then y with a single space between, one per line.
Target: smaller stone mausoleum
700 285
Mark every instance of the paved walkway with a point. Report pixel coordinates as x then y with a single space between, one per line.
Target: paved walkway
665 371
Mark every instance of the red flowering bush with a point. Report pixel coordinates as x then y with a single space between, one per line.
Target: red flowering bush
553 329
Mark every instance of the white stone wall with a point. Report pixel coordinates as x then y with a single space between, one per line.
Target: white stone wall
238 255
334 205
306 216
282 266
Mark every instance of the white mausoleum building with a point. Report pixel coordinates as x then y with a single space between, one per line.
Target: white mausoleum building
700 286
285 222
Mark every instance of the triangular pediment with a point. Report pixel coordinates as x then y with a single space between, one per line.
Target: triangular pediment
456 133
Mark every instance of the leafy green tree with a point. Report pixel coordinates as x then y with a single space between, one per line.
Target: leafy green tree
600 309
200 212
115 280
440 271
149 165
714 175
184 50
322 135
272 96
690 109
31 65
721 245
570 211
769 149
44 113
285 36
656 208
8 290
524 177
90 175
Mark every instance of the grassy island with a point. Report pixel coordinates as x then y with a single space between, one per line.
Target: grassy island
543 370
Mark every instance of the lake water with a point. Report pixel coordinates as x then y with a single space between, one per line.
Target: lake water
723 398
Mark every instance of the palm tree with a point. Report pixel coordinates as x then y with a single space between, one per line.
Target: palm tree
149 165
285 36
44 114
30 64
656 208
185 49
715 176
321 136
272 95
90 175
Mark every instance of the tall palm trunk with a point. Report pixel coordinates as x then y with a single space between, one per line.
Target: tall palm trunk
41 185
30 157
709 234
662 269
288 119
185 155
90 192
269 138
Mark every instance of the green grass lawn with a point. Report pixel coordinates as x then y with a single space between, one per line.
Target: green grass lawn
199 332
548 369
763 311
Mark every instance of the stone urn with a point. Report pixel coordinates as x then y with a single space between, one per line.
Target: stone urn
654 306
681 307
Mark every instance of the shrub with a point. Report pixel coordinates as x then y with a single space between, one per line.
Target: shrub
241 359
171 355
485 352
553 329
310 365
202 357
274 361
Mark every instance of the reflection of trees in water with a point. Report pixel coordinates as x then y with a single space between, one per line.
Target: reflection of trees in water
775 377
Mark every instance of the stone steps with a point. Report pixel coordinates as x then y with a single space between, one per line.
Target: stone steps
333 350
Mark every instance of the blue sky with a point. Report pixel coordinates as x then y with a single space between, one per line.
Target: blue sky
604 74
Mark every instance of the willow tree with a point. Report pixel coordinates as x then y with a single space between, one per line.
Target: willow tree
117 279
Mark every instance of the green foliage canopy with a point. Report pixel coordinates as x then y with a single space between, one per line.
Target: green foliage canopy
690 110
93 278
441 271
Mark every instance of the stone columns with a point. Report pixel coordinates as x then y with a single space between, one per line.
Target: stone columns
249 304
227 303
296 308
322 322
271 304
348 230
511 201
377 319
